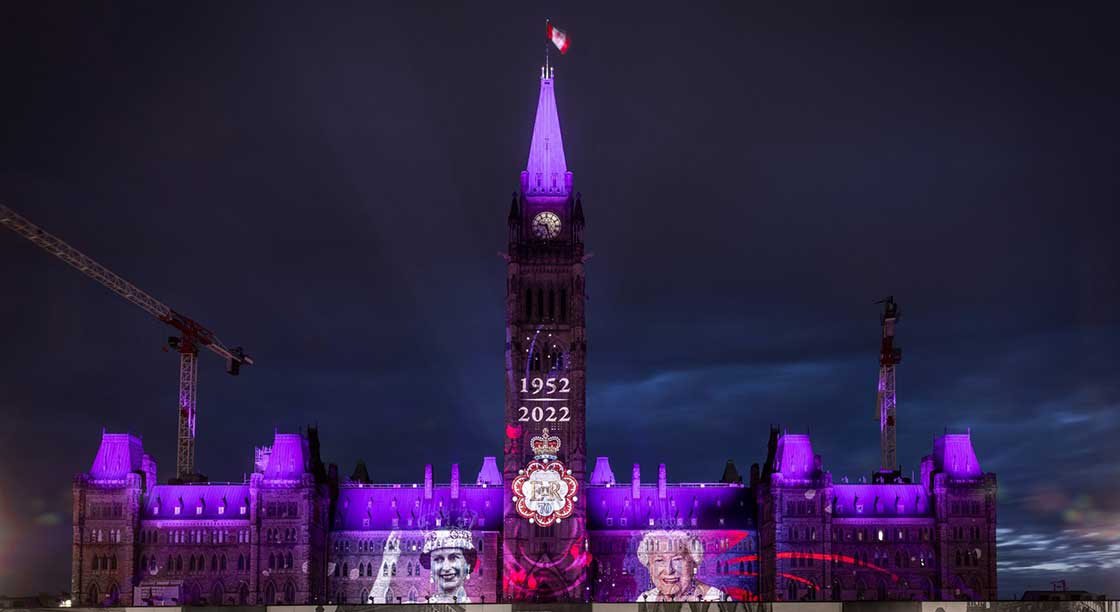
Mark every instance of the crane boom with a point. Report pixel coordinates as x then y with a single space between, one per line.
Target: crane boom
193 335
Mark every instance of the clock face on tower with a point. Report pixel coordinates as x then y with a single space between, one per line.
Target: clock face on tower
546 225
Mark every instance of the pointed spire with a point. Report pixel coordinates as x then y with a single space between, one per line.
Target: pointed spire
514 211
546 173
361 473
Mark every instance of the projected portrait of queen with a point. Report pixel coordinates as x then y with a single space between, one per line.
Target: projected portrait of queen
673 559
449 555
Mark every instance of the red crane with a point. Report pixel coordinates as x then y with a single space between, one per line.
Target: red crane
192 335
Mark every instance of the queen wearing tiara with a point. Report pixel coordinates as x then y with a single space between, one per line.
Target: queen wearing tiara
450 555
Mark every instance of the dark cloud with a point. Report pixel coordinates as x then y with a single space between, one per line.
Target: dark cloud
329 186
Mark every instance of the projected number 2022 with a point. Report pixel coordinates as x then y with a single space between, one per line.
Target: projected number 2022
537 390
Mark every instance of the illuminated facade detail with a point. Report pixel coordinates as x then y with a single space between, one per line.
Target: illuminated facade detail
534 525
545 491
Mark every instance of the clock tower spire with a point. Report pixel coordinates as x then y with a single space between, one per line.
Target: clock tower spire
544 530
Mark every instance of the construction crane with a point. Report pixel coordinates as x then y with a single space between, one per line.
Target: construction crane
192 335
889 357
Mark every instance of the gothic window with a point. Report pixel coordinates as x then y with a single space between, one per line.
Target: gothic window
270 594
563 305
93 595
243 595
958 558
898 558
394 572
409 568
835 589
540 304
792 590
551 304
271 561
213 563
240 562
289 593
289 565
528 304
192 564
113 562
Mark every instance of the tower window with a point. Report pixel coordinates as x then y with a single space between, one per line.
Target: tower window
528 304
551 304
564 305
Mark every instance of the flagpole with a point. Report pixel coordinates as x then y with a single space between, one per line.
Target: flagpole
547 23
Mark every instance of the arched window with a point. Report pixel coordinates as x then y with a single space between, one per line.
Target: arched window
213 563
95 563
271 561
563 305
394 569
792 590
178 563
835 596
882 591
243 595
192 563
94 595
958 558
114 594
529 304
289 593
409 568
113 562
240 562
289 564
222 563
551 304
898 558
270 594
217 594
345 570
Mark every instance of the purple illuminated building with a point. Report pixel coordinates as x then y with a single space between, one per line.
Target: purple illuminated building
540 523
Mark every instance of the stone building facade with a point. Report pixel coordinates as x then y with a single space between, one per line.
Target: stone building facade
533 525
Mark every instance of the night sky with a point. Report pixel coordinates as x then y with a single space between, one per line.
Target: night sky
328 187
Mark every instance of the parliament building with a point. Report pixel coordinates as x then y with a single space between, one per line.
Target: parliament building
541 523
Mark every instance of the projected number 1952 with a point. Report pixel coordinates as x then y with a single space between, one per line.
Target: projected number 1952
542 393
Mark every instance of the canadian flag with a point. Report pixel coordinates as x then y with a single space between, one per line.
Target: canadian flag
559 38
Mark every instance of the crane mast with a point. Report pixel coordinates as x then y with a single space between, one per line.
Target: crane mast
886 404
192 335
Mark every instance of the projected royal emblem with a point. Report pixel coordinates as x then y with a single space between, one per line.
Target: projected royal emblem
545 491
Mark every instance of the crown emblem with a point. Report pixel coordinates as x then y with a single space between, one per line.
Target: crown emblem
545 447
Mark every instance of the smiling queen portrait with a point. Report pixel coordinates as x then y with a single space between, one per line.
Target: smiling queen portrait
450 556
673 560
